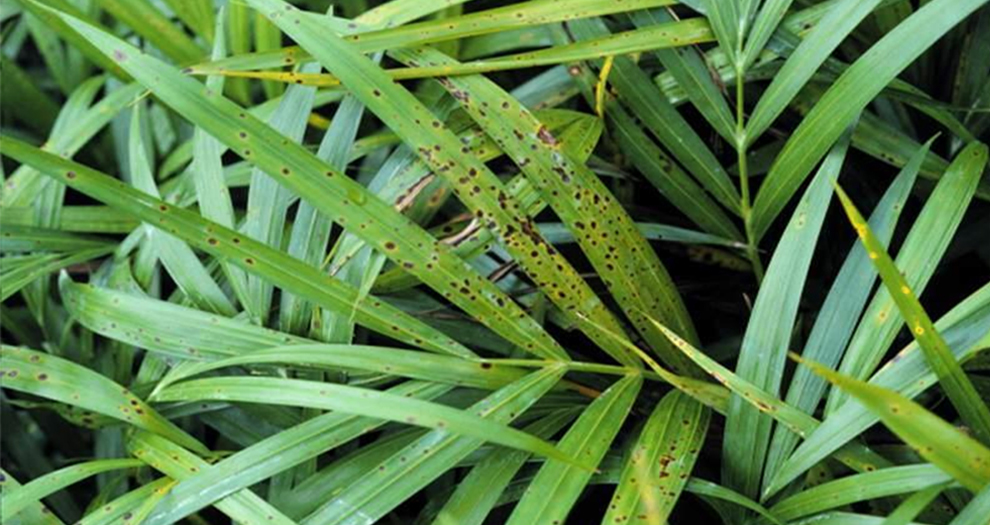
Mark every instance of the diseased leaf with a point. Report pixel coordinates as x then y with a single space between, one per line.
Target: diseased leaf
17 500
178 463
390 361
244 252
274 454
557 485
859 487
936 440
352 400
797 422
938 355
907 373
386 485
626 262
918 256
307 176
55 378
660 461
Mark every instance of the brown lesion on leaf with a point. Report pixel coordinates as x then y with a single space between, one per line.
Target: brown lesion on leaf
545 137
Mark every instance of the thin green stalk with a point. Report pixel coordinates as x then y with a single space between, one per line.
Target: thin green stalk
751 250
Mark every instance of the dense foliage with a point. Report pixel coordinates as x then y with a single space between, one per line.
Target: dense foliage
494 261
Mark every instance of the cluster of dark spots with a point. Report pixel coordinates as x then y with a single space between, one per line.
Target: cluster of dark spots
564 177
527 228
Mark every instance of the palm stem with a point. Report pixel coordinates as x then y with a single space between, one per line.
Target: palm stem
747 215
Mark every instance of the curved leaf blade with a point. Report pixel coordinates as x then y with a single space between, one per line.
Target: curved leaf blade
352 400
55 378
